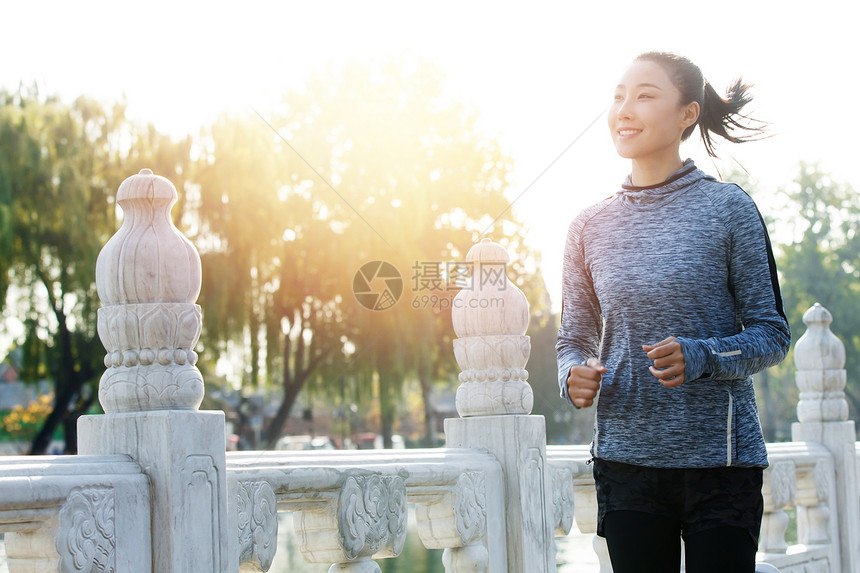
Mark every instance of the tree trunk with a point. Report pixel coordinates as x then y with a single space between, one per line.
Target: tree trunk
427 398
58 415
429 413
276 425
66 385
386 407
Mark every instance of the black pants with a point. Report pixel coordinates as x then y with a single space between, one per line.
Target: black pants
643 543
644 512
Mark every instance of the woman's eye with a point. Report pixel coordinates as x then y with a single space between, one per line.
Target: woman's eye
618 97
645 96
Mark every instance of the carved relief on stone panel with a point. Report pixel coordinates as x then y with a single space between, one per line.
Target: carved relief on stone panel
86 536
821 474
534 495
562 499
257 513
202 516
780 486
470 508
372 516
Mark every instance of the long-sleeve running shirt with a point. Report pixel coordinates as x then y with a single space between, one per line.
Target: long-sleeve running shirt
688 258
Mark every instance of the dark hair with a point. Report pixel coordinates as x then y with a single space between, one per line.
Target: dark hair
717 115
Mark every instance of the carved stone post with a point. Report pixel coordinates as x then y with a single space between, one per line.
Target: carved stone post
148 278
494 399
822 414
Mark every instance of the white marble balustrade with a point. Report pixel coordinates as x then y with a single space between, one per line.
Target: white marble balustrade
335 498
81 513
800 476
575 459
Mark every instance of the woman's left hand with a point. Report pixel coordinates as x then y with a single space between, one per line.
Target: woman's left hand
668 360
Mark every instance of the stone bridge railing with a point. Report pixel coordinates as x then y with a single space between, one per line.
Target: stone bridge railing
351 506
72 513
155 491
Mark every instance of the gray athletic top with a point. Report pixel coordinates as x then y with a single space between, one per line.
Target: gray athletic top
688 258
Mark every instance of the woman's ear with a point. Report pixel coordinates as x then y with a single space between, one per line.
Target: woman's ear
691 114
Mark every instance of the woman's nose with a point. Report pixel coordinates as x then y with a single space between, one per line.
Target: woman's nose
624 109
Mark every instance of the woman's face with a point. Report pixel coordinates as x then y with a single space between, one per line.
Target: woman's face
646 118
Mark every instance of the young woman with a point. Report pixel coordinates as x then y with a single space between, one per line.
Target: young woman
670 305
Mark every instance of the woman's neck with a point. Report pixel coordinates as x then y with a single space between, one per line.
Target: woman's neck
648 172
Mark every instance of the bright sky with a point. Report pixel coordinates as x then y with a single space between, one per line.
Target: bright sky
539 72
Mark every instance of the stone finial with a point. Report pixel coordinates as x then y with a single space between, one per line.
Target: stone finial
148 278
818 348
491 304
820 359
490 318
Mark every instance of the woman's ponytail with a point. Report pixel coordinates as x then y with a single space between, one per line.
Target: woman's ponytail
721 116
717 115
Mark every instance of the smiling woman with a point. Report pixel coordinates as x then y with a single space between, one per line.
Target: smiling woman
670 305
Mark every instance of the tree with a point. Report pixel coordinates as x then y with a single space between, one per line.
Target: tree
268 261
415 183
60 167
368 164
57 180
820 262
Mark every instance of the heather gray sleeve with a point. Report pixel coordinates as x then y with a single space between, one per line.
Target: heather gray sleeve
581 318
765 338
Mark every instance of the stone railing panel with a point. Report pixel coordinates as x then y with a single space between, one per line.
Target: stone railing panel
75 513
801 475
350 507
577 461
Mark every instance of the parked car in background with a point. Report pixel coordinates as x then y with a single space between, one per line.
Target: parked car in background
304 442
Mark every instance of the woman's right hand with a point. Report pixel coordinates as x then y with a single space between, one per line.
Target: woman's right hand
583 382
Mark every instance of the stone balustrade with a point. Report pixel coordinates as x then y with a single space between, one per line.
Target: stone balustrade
336 496
82 513
800 476
154 490
576 459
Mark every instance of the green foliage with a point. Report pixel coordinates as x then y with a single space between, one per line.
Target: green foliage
821 262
